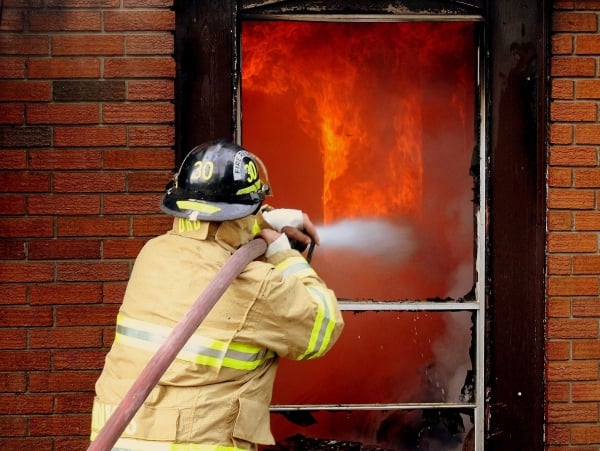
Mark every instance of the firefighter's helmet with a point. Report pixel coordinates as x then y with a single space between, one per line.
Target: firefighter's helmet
217 181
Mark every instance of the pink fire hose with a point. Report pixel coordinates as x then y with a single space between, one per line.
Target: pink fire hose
159 363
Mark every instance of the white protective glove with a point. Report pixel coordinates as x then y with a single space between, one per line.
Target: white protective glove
279 245
284 217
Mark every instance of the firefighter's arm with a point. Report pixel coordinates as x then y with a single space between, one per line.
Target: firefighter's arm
296 225
303 309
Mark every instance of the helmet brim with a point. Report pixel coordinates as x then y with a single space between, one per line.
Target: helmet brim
199 210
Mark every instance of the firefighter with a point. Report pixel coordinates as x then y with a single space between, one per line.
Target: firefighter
216 394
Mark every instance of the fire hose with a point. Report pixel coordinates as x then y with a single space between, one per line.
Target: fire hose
167 352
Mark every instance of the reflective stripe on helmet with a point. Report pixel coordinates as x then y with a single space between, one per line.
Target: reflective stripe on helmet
198 206
199 349
254 188
324 322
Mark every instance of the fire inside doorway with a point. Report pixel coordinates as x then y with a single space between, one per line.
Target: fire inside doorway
370 128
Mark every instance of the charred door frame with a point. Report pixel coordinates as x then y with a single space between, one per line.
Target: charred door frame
517 48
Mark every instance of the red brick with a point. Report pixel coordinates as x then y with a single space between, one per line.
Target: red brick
25 403
587 178
572 328
572 413
94 226
71 443
13 382
13 294
63 67
12 113
26 272
587 220
558 392
587 89
139 20
83 4
61 381
26 91
587 134
586 391
123 248
558 350
572 242
24 360
572 156
560 177
562 89
131 203
25 182
109 337
14 426
561 134
62 114
562 44
574 21
44 425
65 159
138 113
567 66
12 249
26 227
585 434
96 315
66 337
586 307
573 111
572 371
572 199
586 264
586 349
147 3
26 316
113 292
89 136
24 44
13 338
13 159
86 182
74 403
587 45
572 286
139 159
63 249
19 444
12 20
65 21
91 44
151 90
12 205
150 44
140 181
146 136
151 225
148 67
80 359
64 204
66 293
559 264
92 271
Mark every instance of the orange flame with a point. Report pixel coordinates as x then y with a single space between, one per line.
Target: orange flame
338 101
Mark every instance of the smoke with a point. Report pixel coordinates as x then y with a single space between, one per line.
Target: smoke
372 237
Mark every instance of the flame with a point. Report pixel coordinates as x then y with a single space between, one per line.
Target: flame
338 102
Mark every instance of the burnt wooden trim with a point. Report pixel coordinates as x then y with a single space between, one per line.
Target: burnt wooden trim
205 76
517 44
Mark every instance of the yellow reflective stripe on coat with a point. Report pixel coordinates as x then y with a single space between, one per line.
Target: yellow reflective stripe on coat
130 444
325 321
198 349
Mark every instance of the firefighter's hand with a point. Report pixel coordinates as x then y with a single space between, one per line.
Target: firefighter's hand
276 242
301 238
294 223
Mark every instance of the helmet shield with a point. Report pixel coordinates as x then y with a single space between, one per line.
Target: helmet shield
217 181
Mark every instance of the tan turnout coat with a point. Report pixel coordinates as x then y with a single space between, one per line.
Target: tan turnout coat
216 394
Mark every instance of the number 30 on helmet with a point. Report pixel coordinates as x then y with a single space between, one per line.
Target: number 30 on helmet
217 181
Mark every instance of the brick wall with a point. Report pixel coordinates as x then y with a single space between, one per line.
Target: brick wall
573 259
86 147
